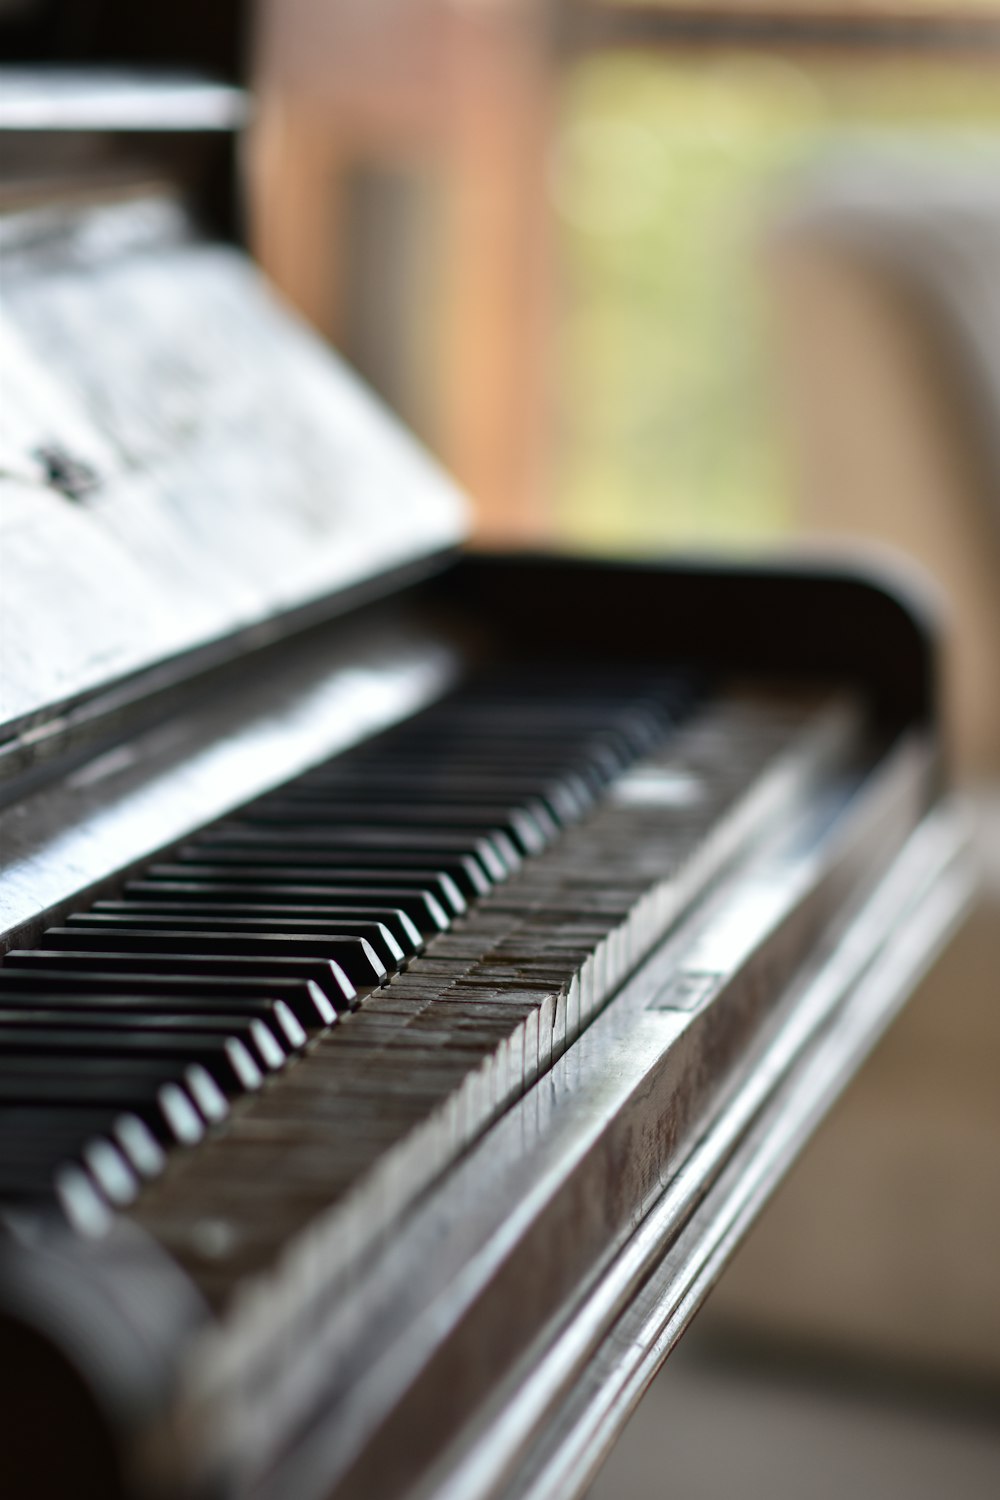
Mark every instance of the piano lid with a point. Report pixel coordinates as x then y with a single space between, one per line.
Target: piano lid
184 467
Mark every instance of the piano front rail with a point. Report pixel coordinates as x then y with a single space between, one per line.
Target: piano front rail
595 1374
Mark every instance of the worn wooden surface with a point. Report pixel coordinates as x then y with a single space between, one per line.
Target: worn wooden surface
180 459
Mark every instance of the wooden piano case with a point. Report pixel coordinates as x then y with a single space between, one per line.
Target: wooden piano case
225 566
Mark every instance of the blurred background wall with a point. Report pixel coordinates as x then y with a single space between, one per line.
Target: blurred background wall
651 276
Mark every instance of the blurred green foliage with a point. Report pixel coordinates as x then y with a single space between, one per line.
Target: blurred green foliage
662 174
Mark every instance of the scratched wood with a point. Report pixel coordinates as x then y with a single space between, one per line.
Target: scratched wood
180 458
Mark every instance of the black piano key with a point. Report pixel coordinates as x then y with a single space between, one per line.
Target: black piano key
30 1180
374 933
529 829
353 956
478 758
606 736
404 932
70 1187
74 1126
138 1145
424 840
605 756
225 1058
80 1202
178 997
552 803
69 1190
423 909
325 975
30 1162
510 834
197 1082
111 1171
248 865
38 1152
311 845
160 1094
542 768
258 1038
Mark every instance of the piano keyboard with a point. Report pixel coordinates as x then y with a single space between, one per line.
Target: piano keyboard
424 924
135 1024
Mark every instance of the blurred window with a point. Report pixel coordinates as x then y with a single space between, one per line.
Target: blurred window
663 171
535 225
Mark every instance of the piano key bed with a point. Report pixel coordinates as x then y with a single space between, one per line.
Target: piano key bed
482 857
136 1023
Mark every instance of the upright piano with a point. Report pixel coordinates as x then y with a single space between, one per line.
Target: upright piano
418 966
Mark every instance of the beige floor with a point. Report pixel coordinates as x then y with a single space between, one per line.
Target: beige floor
717 1427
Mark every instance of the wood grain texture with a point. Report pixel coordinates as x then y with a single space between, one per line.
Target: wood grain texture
181 459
